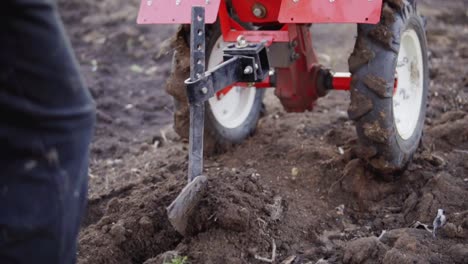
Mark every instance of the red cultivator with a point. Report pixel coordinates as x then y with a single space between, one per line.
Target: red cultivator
254 44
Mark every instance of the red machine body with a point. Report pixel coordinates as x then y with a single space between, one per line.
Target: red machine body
282 11
299 78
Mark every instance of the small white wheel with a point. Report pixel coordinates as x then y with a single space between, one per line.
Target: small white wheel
232 108
229 118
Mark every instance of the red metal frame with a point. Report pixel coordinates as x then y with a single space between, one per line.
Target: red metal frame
330 11
297 83
276 11
244 10
231 29
341 81
259 85
175 12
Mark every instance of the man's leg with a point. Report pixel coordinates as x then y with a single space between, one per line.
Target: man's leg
46 120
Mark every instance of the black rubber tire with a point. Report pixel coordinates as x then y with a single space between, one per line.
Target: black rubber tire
217 138
373 64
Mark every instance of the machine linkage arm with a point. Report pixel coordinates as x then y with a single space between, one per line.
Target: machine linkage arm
242 63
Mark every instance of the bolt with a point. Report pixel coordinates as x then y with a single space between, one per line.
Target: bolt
241 42
295 56
256 66
271 72
204 90
149 2
294 43
259 10
295 1
248 70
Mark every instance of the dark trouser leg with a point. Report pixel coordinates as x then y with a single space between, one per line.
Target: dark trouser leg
46 121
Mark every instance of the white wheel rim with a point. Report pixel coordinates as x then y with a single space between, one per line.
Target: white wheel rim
232 109
409 91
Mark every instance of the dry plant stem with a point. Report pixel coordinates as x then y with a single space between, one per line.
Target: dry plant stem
273 254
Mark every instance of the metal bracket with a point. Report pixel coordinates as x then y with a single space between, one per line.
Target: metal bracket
241 64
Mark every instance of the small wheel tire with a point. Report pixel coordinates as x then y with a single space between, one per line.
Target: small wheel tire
389 118
228 120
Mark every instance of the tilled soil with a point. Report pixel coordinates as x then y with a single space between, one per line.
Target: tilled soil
295 189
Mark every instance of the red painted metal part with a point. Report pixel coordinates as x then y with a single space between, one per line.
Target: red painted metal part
244 10
175 11
258 36
259 85
330 11
282 11
341 81
296 85
231 30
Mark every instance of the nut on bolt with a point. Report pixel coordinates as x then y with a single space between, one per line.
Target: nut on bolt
241 42
204 90
295 56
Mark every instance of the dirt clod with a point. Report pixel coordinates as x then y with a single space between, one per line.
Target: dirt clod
360 105
378 85
375 132
363 250
388 15
459 253
360 56
382 35
358 181
117 232
365 152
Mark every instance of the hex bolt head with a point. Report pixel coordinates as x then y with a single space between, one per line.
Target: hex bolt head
295 56
259 10
271 72
241 42
204 90
248 70
294 43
